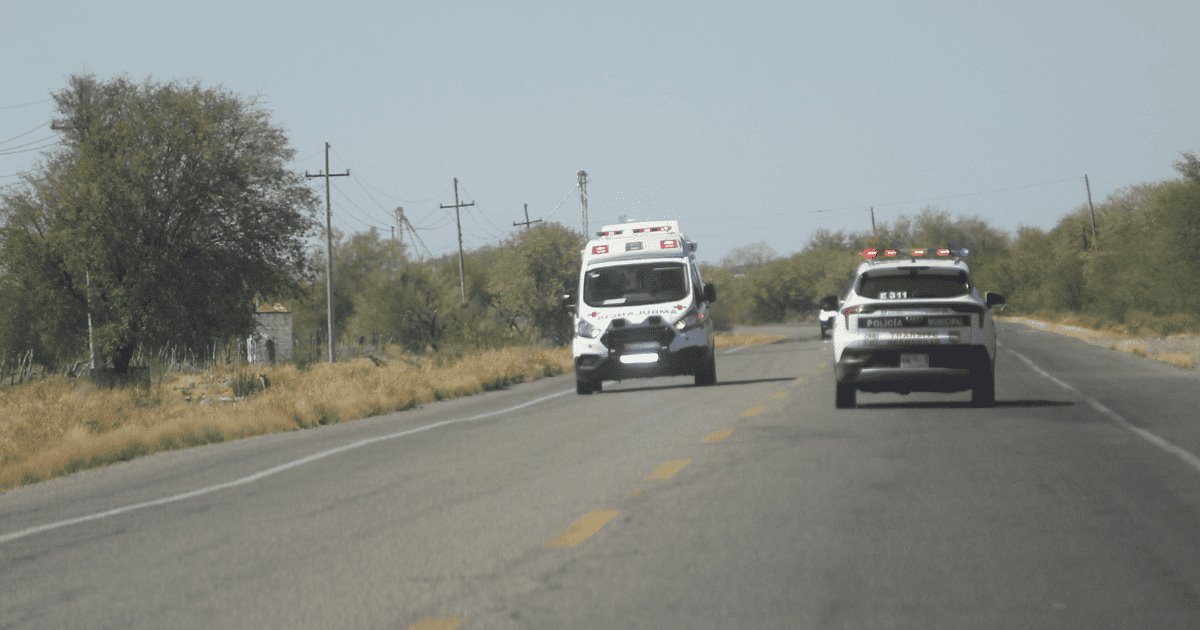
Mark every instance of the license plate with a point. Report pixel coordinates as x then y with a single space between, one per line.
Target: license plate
914 360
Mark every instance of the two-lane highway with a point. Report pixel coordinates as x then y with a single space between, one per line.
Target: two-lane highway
1074 503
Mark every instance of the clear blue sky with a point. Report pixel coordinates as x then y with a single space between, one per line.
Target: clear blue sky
747 121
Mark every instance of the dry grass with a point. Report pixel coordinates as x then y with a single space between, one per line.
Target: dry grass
58 426
1178 359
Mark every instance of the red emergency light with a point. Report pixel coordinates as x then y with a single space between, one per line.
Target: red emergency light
669 244
870 253
600 249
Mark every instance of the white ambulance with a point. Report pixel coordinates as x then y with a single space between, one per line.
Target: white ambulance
640 307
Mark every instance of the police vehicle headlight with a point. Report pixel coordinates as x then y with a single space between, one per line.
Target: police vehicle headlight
586 329
690 321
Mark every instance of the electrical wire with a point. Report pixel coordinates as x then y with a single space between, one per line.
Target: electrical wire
15 151
363 180
19 136
362 216
562 201
30 103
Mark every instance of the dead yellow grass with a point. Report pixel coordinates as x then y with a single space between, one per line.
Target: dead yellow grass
58 426
1178 359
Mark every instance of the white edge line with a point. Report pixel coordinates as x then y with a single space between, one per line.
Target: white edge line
251 478
1187 457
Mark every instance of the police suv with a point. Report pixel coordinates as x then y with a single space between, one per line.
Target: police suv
915 321
640 307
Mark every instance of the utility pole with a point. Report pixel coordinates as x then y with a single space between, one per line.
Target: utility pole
1091 208
526 222
462 266
328 247
399 223
873 232
583 181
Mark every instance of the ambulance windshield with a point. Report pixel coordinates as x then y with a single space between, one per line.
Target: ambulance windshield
634 284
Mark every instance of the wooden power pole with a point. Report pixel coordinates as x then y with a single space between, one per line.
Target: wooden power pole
526 222
462 266
328 247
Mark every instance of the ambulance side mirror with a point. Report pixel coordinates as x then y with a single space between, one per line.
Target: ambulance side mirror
710 292
567 301
995 299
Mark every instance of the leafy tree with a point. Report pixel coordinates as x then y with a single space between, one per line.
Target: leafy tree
528 276
167 208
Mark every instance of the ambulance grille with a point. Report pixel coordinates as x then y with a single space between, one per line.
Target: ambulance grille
616 339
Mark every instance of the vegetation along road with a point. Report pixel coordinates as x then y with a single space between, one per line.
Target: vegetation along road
1074 503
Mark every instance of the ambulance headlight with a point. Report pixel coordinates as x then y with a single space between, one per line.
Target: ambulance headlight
586 329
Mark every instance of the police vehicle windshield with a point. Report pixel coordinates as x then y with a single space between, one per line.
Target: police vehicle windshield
634 284
903 284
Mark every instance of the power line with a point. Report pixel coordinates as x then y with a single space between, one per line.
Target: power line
14 151
563 200
30 103
365 217
379 190
486 218
22 135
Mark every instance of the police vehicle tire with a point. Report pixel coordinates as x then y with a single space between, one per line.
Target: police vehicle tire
846 396
708 374
585 388
983 387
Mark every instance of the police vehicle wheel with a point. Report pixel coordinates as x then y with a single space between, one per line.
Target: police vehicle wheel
584 388
846 396
708 374
983 387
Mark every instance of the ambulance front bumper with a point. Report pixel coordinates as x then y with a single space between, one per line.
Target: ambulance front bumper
644 353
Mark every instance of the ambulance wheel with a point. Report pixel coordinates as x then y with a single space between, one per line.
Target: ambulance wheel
846 396
708 374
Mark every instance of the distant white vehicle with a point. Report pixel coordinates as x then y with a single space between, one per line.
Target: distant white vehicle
826 314
640 307
915 321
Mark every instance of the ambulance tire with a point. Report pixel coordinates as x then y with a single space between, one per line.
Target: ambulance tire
585 388
708 374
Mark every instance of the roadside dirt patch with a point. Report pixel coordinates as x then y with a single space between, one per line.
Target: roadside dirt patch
1178 350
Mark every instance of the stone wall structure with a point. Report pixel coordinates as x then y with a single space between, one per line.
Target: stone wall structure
272 339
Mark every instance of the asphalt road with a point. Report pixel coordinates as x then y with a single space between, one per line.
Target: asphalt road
1075 503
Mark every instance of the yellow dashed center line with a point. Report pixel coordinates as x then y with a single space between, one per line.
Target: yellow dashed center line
783 393
438 623
716 436
583 529
667 470
753 411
